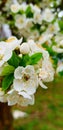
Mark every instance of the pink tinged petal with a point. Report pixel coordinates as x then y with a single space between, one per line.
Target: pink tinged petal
25 95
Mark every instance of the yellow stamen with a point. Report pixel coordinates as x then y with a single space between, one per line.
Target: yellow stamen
10 39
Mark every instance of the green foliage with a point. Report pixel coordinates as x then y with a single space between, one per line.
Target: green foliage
14 60
24 60
47 112
52 53
6 70
55 61
60 22
61 73
30 60
36 26
29 12
7 81
35 58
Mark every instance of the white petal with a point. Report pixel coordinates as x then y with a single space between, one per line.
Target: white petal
13 43
3 99
25 95
18 85
30 87
1 62
8 55
42 85
29 70
18 72
26 102
11 91
12 98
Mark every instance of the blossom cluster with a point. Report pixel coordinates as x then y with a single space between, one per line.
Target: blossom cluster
31 21
27 20
24 66
30 62
45 26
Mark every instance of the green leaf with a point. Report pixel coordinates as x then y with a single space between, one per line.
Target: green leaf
36 26
24 60
35 58
30 60
7 81
61 73
29 12
14 60
6 70
60 24
55 61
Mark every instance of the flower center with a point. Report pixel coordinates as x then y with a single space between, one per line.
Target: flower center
26 77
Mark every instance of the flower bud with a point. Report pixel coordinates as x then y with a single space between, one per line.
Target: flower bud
24 48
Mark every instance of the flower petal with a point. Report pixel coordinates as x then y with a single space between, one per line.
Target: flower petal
18 85
25 95
18 72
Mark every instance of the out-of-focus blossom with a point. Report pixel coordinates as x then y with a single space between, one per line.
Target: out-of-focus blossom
47 15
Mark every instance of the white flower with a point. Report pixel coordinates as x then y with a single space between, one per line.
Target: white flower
60 67
15 8
13 42
3 97
35 8
14 98
6 49
53 28
37 14
6 30
47 71
20 21
37 18
59 43
29 23
23 6
57 49
33 47
5 53
34 35
60 14
59 38
25 80
45 37
47 15
24 48
49 33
